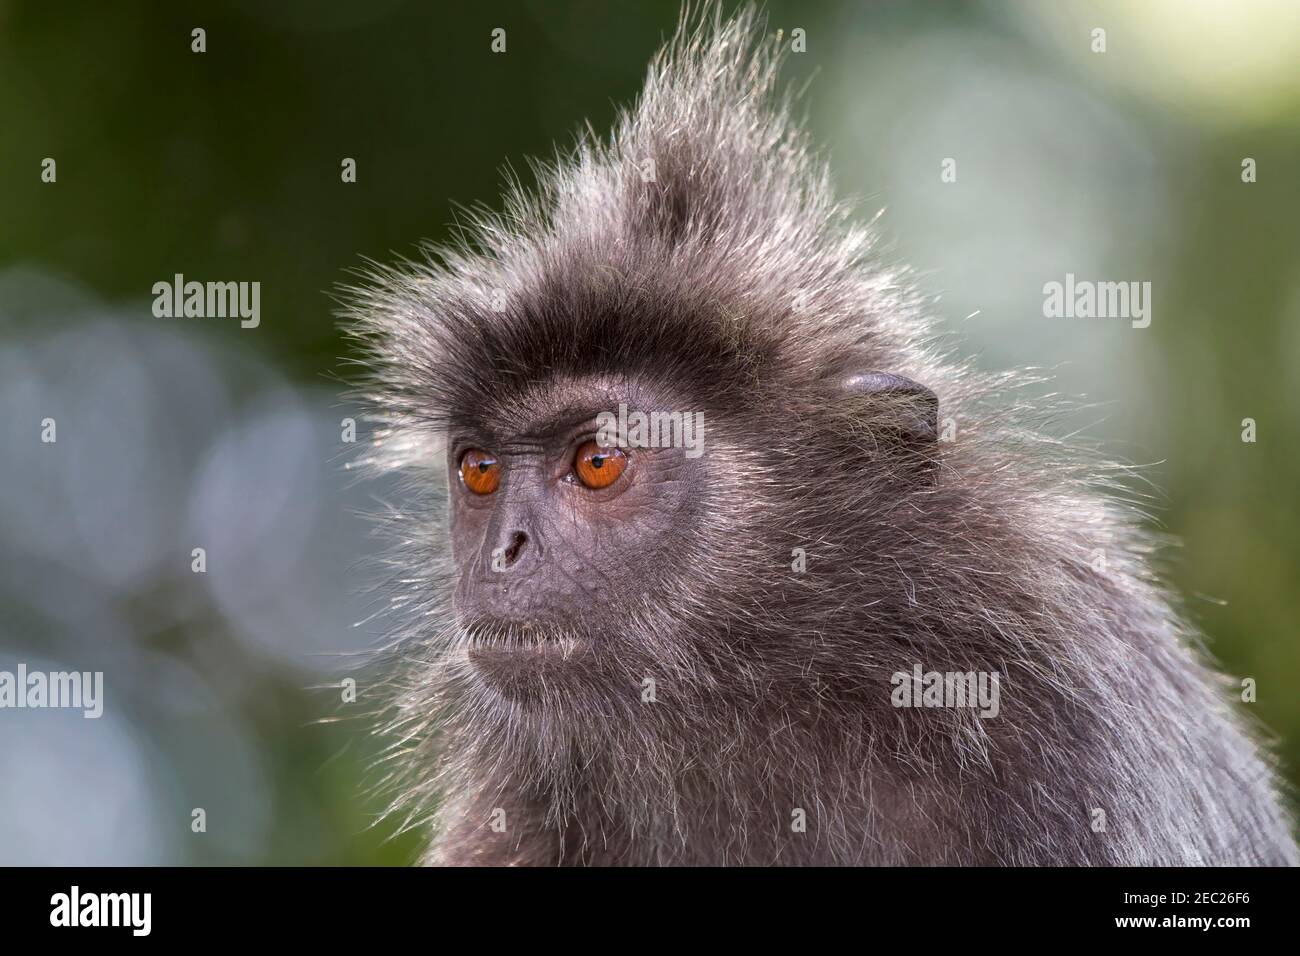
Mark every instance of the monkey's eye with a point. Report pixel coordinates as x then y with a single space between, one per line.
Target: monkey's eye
599 467
480 471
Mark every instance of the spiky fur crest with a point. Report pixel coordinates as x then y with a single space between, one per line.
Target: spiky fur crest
729 276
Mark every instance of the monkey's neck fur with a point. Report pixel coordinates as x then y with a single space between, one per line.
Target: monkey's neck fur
701 251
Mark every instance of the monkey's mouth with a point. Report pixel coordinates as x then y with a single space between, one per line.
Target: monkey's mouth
490 641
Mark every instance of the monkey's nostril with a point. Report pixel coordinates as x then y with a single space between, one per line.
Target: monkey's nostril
517 542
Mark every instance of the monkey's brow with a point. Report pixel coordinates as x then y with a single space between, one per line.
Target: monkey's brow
554 421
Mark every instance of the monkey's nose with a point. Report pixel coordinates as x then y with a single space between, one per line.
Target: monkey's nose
517 542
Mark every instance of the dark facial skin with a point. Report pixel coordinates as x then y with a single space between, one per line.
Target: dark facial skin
550 570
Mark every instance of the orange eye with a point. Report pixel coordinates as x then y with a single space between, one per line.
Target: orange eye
599 467
480 471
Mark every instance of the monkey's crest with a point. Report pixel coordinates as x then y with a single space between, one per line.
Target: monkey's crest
701 240
699 253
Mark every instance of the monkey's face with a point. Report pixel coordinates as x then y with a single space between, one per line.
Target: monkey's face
586 567
566 546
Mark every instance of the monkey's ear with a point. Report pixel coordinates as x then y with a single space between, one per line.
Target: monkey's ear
898 404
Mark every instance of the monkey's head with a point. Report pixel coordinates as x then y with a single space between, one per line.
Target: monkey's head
672 402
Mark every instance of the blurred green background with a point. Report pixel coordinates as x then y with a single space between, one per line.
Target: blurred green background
1122 165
